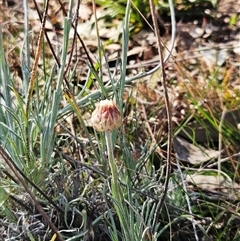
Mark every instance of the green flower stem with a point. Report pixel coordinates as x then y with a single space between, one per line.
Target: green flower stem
115 184
116 188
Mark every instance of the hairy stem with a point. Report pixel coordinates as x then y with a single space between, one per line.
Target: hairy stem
115 186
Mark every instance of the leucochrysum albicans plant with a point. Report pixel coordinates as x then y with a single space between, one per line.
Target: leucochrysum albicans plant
106 118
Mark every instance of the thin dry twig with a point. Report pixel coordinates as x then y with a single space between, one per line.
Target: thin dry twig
74 38
10 164
169 115
46 35
32 79
170 49
90 57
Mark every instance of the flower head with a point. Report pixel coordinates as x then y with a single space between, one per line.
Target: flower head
106 116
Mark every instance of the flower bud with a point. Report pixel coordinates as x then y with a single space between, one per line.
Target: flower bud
106 116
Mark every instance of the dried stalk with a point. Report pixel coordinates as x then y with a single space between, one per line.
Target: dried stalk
32 79
169 115
10 162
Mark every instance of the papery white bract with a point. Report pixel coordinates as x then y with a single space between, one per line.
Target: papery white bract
106 116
